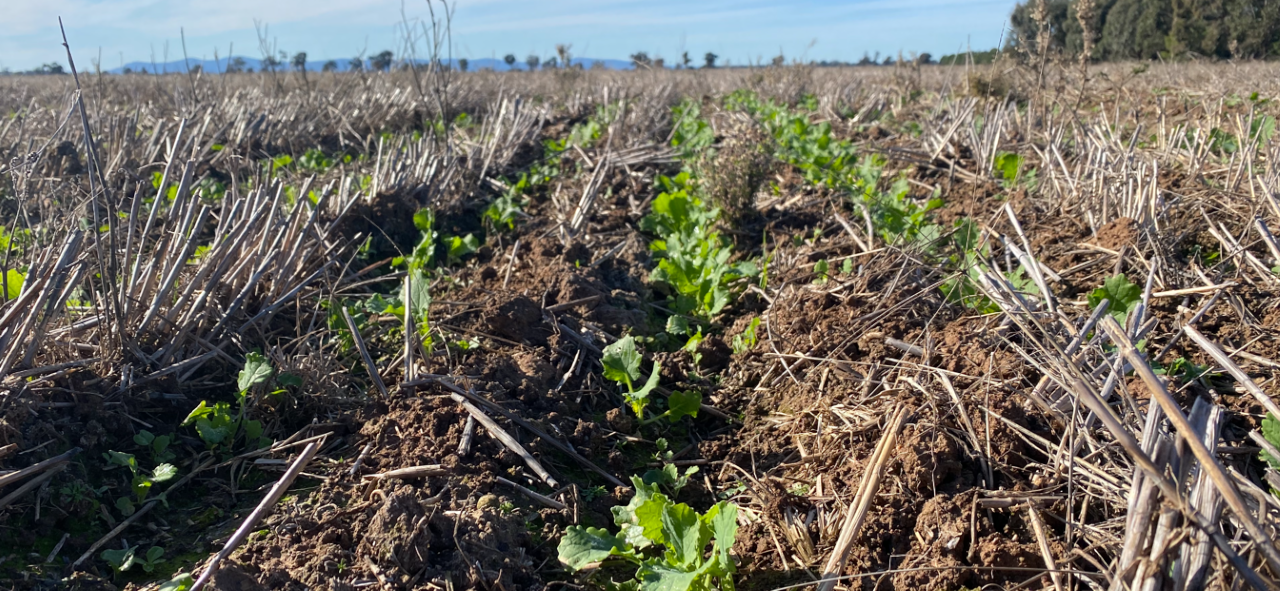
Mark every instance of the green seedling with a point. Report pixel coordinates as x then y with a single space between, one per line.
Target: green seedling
217 426
692 135
1185 370
622 365
123 560
669 476
1124 297
691 346
1009 169
746 340
505 210
460 246
694 260
663 540
594 493
423 254
821 271
142 481
158 444
13 280
315 160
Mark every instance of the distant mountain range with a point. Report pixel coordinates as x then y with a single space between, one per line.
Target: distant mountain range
497 65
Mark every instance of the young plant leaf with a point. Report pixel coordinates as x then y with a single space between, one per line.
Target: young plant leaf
164 472
584 545
1123 295
180 582
640 398
256 370
621 361
681 404
1271 431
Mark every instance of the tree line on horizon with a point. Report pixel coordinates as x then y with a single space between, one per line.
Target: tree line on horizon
1148 29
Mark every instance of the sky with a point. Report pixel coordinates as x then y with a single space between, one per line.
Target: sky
740 31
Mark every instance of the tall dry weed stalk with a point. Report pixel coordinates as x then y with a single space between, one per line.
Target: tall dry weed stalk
1086 10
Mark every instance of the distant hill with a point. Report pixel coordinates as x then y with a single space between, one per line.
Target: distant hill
497 65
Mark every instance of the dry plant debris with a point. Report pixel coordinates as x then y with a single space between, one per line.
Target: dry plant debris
874 328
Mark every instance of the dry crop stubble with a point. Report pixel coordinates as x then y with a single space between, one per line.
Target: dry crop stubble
1029 452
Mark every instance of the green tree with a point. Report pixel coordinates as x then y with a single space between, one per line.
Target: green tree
462 64
532 61
709 60
329 66
1253 28
1133 29
1150 29
510 60
382 61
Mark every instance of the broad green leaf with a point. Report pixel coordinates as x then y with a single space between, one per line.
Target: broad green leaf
649 516
252 430
154 553
681 404
122 459
722 518
625 516
581 546
678 325
419 300
13 284
180 582
1008 164
210 434
640 398
1123 295
256 370
621 360
288 379
460 246
684 534
660 577
1271 430
423 220
120 560
144 437
141 487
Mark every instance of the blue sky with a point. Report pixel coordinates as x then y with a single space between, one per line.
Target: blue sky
740 30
